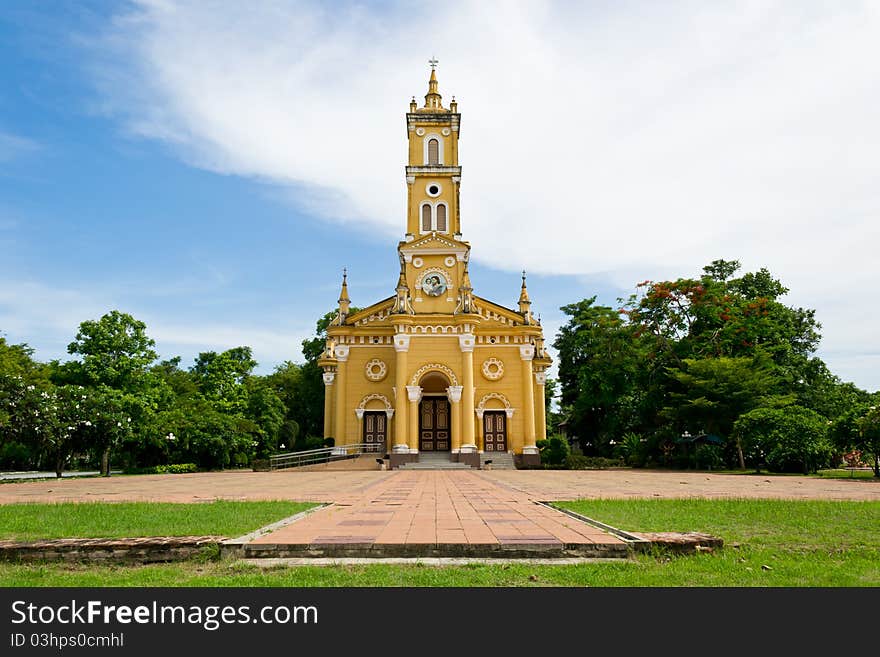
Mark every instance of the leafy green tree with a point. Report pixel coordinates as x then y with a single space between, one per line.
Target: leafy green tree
869 436
267 412
788 439
115 350
221 377
711 393
602 375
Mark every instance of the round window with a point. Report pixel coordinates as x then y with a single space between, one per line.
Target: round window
433 189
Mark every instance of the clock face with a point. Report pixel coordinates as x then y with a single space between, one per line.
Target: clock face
433 284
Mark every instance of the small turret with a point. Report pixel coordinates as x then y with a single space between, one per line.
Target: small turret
402 304
525 303
344 301
466 294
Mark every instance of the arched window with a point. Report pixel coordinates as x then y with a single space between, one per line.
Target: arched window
441 218
426 218
433 151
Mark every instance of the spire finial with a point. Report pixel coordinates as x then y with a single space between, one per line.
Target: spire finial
433 99
524 301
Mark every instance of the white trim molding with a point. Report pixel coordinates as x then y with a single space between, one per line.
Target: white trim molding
328 378
377 397
341 352
401 342
434 367
454 393
540 378
527 351
466 342
439 139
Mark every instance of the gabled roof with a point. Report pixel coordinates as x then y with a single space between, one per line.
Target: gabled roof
434 243
379 308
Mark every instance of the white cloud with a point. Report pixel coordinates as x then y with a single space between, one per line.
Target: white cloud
47 316
13 146
644 137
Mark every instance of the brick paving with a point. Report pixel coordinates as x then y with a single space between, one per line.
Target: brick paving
442 510
334 486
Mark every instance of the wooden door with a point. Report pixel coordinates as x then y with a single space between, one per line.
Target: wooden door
494 431
434 425
375 431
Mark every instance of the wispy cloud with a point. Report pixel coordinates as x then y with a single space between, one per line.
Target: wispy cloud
634 140
13 146
48 316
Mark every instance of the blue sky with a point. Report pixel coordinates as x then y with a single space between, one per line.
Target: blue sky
211 168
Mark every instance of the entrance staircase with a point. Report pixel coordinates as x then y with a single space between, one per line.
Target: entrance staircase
434 461
500 461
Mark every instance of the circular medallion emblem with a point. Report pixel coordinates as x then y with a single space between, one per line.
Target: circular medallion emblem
434 284
420 132
417 262
445 132
376 370
493 369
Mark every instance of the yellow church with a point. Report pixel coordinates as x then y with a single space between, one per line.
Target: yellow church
435 372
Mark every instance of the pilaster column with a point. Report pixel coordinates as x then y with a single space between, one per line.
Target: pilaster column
526 354
414 394
328 376
341 352
466 342
401 347
541 405
454 394
481 445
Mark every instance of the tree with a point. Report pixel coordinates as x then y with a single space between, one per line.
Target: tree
116 352
221 377
713 392
601 374
869 436
792 438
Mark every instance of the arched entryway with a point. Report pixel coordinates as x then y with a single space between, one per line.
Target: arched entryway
435 417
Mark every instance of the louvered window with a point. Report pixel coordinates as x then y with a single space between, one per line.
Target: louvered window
441 218
426 218
433 151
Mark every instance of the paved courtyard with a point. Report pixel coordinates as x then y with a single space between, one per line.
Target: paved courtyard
435 512
346 486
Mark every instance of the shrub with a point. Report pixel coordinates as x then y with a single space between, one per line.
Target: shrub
553 451
580 462
173 468
632 449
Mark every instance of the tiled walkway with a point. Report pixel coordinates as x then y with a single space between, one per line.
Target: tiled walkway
439 512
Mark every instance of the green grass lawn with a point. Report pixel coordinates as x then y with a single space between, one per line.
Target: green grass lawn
132 519
848 473
780 543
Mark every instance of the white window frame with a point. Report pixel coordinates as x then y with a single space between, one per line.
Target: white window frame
439 139
434 205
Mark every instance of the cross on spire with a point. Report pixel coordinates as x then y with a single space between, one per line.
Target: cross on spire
433 62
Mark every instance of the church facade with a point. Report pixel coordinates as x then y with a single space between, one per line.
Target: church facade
434 367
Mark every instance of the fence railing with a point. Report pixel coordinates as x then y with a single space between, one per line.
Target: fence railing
323 455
